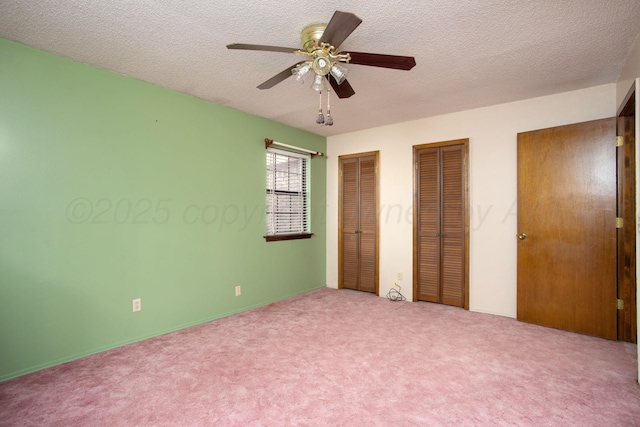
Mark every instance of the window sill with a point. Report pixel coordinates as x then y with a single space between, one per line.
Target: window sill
279 237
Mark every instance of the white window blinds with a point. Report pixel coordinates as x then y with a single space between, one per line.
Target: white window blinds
287 193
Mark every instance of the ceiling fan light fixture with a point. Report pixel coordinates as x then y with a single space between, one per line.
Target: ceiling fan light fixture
300 71
321 65
318 83
339 73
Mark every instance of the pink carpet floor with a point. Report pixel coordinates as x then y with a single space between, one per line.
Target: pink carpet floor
340 358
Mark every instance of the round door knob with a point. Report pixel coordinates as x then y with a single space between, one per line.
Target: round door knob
522 236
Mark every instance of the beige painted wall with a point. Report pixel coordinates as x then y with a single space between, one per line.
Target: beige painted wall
492 132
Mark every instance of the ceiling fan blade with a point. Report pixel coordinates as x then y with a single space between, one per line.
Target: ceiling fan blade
261 47
343 90
385 61
342 24
281 76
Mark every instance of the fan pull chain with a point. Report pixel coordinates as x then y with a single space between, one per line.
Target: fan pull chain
320 118
329 120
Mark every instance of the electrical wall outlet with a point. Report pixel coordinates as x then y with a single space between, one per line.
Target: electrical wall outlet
238 291
399 277
137 304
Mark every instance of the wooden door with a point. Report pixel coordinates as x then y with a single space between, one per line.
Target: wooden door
566 225
441 223
627 312
358 222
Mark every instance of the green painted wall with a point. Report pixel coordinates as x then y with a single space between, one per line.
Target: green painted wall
113 189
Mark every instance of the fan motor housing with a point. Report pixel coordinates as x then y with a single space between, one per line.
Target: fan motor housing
311 36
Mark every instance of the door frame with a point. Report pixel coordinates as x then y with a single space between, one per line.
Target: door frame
416 209
626 204
377 201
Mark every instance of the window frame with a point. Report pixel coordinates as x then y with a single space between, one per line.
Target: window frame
306 197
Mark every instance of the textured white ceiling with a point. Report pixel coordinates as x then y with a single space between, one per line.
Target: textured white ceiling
469 53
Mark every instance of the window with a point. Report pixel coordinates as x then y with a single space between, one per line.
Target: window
287 195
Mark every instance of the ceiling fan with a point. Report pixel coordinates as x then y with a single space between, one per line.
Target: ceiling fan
320 42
